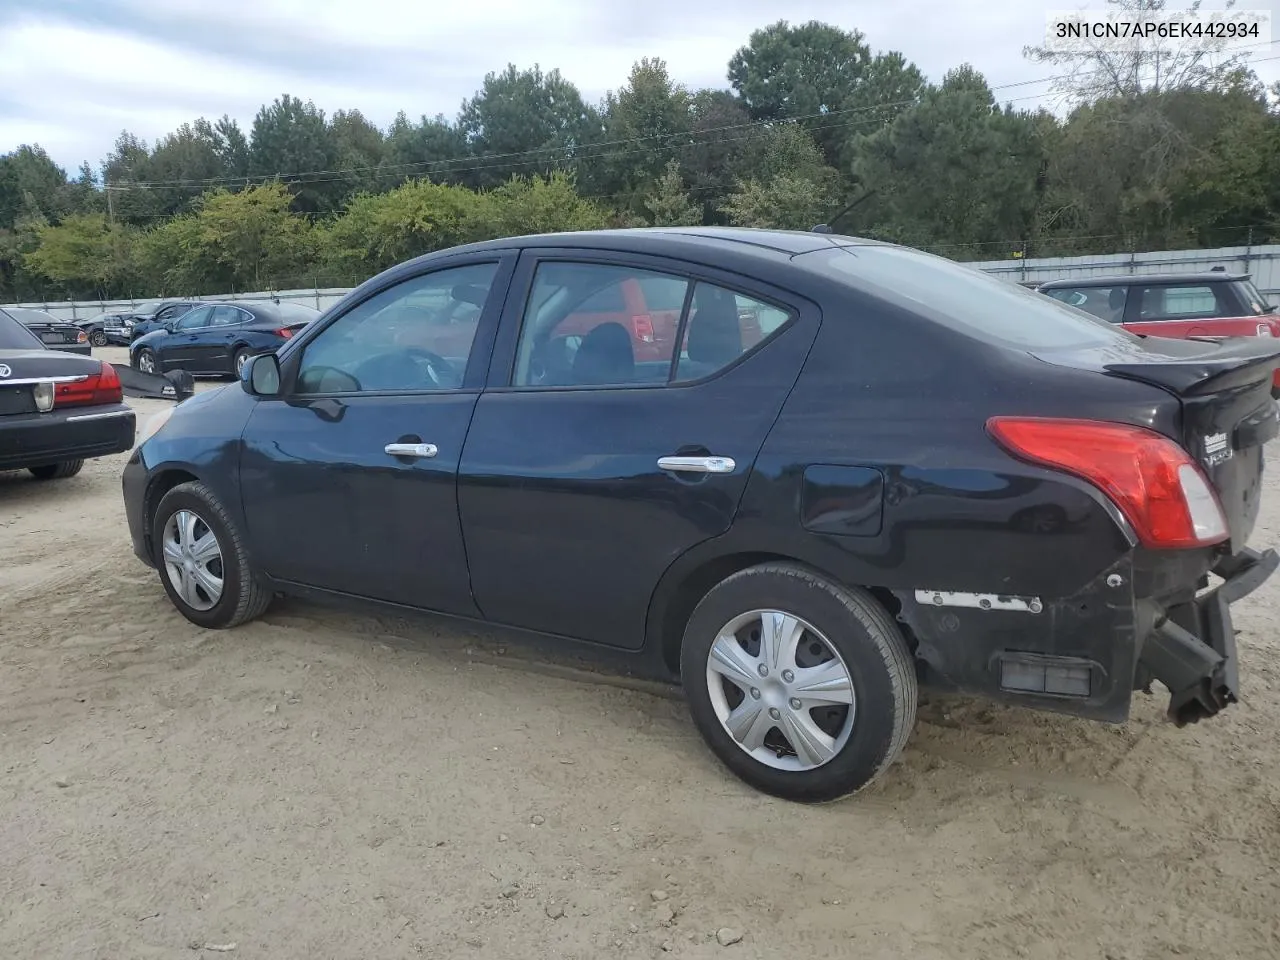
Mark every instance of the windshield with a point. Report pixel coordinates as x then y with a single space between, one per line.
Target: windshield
28 316
966 298
14 336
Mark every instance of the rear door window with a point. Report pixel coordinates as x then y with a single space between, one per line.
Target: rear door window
1199 301
964 297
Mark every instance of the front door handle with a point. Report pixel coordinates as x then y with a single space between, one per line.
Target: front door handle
697 464
422 450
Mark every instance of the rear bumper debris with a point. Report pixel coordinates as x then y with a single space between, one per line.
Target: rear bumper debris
1192 651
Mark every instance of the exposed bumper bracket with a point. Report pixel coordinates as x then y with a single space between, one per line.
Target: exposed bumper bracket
1200 669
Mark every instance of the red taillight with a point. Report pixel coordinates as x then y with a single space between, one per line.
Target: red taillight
101 387
643 325
82 337
285 332
1155 483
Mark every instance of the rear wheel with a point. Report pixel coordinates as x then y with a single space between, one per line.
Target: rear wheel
57 471
145 360
98 338
803 688
242 357
202 560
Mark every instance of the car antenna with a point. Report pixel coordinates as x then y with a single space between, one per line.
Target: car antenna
826 227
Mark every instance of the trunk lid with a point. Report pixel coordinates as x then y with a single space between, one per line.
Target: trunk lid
25 368
1228 413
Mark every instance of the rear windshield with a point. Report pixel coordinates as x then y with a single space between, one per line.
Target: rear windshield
26 315
1255 303
965 298
296 312
14 336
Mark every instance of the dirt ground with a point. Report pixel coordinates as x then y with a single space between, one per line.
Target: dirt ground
326 785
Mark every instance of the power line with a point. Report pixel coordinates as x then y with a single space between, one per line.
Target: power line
579 153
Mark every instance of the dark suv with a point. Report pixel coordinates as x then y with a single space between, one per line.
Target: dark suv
854 468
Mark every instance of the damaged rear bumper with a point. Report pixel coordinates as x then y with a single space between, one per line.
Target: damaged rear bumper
1191 650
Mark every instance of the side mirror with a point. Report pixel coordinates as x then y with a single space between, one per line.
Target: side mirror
260 376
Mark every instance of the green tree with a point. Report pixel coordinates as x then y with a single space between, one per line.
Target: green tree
360 148
433 147
379 231
529 205
291 140
669 204
84 255
249 240
645 123
523 122
954 173
32 185
712 160
825 75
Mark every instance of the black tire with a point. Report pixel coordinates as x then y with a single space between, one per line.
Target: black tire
237 361
57 471
243 598
98 338
861 632
136 359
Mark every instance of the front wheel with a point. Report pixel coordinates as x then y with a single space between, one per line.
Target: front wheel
803 688
202 560
98 338
145 360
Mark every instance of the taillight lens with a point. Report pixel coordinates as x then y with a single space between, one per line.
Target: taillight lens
97 388
285 332
1157 486
643 325
82 337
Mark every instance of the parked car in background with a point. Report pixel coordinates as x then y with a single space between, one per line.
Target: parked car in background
215 339
56 410
107 328
154 315
920 473
1213 304
53 333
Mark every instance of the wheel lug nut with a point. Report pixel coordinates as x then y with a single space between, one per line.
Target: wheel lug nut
755 694
763 670
795 704
773 712
788 676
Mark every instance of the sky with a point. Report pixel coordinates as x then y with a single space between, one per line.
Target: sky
74 73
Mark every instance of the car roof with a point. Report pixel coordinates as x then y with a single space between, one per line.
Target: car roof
712 243
1146 279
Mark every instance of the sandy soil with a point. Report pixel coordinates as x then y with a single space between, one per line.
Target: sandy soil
326 785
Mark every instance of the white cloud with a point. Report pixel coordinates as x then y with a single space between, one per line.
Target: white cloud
78 73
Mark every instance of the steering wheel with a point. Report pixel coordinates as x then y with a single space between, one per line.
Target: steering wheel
440 371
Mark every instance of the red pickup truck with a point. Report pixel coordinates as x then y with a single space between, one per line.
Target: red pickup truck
1180 306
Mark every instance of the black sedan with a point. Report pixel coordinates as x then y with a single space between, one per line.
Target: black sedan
906 472
107 328
215 339
52 332
56 410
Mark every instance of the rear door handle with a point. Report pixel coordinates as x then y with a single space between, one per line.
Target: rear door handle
697 464
422 450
